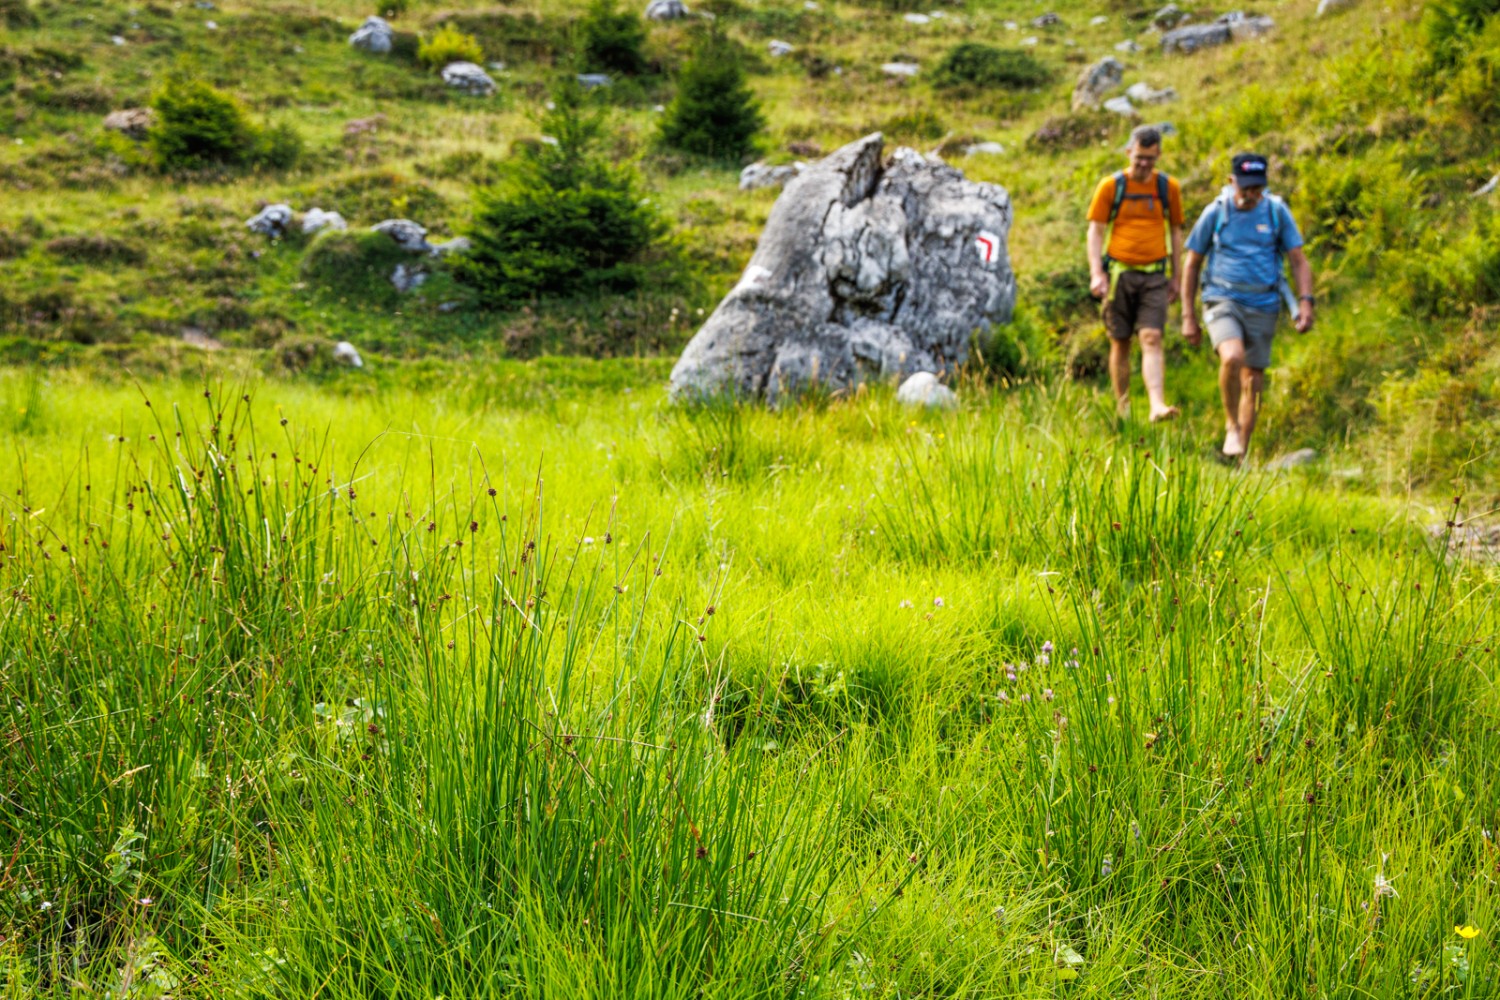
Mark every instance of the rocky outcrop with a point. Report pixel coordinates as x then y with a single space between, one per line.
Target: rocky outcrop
1235 27
375 35
469 78
867 269
133 123
315 220
273 220
763 175
1096 81
666 10
407 234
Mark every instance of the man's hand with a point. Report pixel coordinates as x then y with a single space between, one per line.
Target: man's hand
1190 329
1304 316
1099 284
1174 294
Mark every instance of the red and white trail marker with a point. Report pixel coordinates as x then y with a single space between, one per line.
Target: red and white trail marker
988 245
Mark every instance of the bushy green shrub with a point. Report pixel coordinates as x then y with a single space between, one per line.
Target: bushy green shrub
715 113
449 45
974 64
566 222
611 40
198 126
1455 272
1450 25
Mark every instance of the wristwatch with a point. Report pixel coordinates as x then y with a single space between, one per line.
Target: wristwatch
1309 299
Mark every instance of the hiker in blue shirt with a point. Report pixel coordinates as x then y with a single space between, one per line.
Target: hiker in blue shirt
1238 247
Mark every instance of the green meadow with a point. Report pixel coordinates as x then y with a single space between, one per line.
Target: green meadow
538 686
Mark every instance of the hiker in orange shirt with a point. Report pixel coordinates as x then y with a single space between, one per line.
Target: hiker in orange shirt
1134 209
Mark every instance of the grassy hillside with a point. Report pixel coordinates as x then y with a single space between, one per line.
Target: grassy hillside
535 687
1376 143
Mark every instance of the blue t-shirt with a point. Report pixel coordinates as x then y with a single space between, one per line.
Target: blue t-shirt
1247 253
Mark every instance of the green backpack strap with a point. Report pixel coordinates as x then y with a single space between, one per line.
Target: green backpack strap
1114 209
1164 195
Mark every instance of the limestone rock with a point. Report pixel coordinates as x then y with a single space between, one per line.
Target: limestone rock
1099 20
459 244
316 220
918 19
924 389
133 123
1168 17
984 149
1047 20
1488 187
407 278
346 354
1129 46
899 68
1119 106
867 269
1096 81
666 10
375 35
1144 93
1291 460
195 337
763 175
469 78
779 48
407 234
272 220
1326 7
588 81
1232 27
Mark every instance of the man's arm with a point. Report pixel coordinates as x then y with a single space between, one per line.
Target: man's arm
1098 277
1172 286
1191 268
1302 272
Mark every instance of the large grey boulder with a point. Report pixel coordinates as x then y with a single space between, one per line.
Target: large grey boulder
374 35
1168 17
867 269
469 78
666 10
1096 81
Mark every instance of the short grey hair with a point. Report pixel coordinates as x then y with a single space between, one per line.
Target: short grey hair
1146 136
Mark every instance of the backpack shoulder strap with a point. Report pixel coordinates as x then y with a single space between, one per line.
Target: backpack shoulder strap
1114 209
1164 196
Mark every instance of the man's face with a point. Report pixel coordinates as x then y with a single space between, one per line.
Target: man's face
1246 198
1143 161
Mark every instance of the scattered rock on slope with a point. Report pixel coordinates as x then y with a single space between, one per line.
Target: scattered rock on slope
866 270
1096 81
133 123
1236 27
375 35
469 78
272 220
924 389
666 10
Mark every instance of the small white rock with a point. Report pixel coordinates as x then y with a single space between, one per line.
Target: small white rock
924 389
117 39
780 48
316 220
984 149
1120 106
899 68
346 354
1030 40
1100 19
917 19
1128 45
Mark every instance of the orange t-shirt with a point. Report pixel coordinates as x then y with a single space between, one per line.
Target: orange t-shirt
1139 235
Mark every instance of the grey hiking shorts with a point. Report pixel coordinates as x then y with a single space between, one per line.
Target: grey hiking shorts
1227 319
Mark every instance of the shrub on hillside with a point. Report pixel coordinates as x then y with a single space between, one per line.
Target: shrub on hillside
1450 26
449 45
973 64
566 222
96 249
612 40
198 126
715 113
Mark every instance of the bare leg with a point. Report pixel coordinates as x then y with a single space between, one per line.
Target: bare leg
1154 374
1252 380
1231 368
1119 374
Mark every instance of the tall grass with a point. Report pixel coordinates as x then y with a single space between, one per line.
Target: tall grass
376 698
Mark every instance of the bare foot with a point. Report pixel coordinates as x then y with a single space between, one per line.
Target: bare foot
1122 407
1165 413
1233 447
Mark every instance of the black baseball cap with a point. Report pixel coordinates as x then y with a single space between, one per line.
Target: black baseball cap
1250 170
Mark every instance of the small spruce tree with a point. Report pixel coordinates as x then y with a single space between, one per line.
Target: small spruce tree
715 113
566 221
612 41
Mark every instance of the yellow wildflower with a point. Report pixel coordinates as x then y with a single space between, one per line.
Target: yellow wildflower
1468 932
